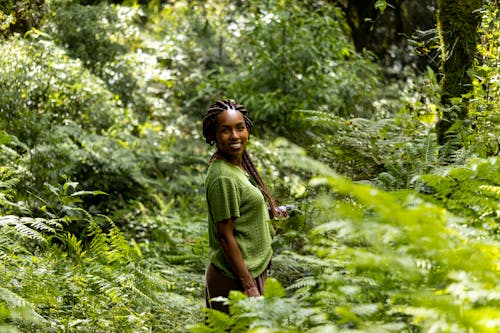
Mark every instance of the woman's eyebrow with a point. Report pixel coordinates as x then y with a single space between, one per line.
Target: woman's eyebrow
238 124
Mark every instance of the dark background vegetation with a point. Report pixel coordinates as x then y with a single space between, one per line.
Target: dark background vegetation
378 119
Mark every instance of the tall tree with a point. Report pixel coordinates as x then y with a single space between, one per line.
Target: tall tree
457 23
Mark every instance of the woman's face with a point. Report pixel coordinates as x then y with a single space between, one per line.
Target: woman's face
232 133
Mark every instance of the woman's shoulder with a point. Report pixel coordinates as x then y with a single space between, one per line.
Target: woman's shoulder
216 166
221 166
221 169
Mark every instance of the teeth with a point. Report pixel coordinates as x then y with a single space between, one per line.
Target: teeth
235 145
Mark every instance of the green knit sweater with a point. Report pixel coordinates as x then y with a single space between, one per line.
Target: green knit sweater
231 194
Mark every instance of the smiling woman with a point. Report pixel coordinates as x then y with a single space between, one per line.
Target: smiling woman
232 136
240 208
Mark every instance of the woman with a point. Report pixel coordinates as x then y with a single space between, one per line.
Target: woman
239 207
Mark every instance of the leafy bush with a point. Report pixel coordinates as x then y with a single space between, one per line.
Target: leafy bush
276 72
100 39
50 99
43 88
295 57
10 175
273 313
403 257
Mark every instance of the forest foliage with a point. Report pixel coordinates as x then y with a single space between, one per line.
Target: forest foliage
102 209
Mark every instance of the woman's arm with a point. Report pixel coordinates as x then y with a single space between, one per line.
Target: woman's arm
233 256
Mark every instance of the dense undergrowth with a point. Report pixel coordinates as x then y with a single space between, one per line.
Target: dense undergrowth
102 212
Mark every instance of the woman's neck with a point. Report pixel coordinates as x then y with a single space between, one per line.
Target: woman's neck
230 159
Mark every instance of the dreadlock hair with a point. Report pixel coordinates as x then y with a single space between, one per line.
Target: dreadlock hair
210 133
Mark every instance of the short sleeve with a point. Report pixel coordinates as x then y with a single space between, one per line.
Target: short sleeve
224 199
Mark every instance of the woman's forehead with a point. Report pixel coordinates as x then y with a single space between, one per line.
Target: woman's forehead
230 116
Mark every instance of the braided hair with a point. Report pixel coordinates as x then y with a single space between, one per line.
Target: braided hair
210 133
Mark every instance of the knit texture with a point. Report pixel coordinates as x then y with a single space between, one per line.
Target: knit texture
230 194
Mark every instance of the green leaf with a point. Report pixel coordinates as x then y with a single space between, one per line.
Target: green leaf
381 5
88 192
274 289
4 138
219 320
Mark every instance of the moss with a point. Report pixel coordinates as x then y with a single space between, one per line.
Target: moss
457 27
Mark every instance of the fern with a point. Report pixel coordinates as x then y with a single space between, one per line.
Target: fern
44 225
28 232
220 321
147 280
19 309
490 190
6 188
119 247
31 228
389 156
304 286
384 252
384 262
470 189
99 241
72 244
273 289
272 312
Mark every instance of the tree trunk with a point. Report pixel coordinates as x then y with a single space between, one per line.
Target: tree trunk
457 23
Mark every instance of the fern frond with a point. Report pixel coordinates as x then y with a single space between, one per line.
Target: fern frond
101 283
12 299
132 286
491 190
388 179
28 232
16 303
99 243
72 243
10 247
19 224
306 282
177 259
48 225
8 220
431 148
29 227
7 184
151 280
145 296
120 247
